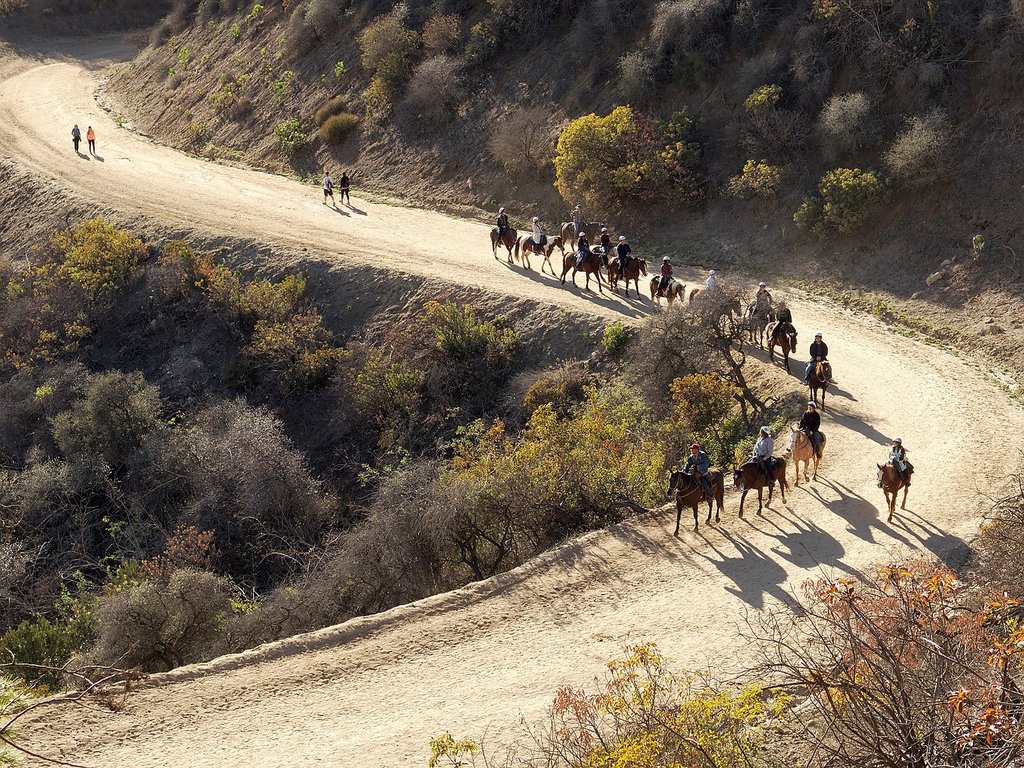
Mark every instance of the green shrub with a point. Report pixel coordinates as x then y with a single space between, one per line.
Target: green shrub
290 135
339 69
97 256
482 44
296 352
337 128
615 337
758 180
846 198
763 99
388 38
563 389
47 644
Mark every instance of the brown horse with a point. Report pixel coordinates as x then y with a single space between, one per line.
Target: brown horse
777 338
820 378
676 291
509 240
591 266
757 321
634 269
890 481
569 234
526 244
689 492
801 449
747 476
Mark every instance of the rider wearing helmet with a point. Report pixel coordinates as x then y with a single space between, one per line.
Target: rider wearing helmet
698 464
579 221
502 222
666 275
622 250
712 281
606 241
763 450
898 459
810 424
539 238
819 353
763 298
582 248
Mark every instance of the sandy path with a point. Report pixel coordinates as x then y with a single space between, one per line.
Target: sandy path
372 692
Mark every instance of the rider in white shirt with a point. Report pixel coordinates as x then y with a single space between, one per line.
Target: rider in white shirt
538 231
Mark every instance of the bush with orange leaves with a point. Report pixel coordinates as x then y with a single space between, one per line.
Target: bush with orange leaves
901 670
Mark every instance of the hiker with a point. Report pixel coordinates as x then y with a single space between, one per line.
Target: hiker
343 184
328 188
76 137
90 136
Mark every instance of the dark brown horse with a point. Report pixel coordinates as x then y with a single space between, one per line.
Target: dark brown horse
634 269
591 266
890 481
820 378
747 476
509 240
676 291
527 246
689 492
777 337
570 235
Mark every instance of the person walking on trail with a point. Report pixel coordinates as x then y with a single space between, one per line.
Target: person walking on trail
90 136
343 184
76 137
328 187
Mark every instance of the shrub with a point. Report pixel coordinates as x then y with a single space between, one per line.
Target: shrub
637 76
295 352
843 124
615 337
846 199
626 158
336 128
97 256
520 141
48 644
441 34
482 44
388 393
323 16
435 89
387 38
763 100
156 627
290 135
758 180
330 108
921 155
562 389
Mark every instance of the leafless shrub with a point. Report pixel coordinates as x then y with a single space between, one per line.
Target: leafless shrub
323 15
843 124
442 34
521 141
683 23
637 76
156 627
435 89
922 154
774 132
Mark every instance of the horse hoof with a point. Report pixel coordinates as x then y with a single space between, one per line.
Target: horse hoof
676 534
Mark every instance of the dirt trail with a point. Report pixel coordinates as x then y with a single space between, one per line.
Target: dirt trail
373 691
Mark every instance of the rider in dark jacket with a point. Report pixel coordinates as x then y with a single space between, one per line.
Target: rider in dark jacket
810 424
502 222
819 352
582 249
623 250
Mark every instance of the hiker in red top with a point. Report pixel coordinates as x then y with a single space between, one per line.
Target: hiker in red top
90 136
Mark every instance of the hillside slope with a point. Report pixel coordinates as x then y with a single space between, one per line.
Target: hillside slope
474 659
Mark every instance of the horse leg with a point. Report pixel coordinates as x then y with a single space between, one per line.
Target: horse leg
904 504
742 497
600 280
760 499
679 515
696 525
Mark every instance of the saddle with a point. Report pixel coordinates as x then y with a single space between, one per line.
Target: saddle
664 285
823 370
543 240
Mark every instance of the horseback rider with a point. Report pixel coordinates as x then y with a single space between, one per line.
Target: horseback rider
785 321
606 241
819 354
502 223
582 248
579 221
810 425
539 238
622 250
762 299
666 275
763 450
698 465
712 282
898 459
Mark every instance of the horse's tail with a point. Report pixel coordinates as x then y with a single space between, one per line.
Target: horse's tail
518 241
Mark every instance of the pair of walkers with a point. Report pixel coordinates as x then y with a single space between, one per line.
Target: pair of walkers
90 136
344 183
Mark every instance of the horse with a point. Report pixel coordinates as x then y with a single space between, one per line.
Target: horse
591 266
528 246
676 290
509 241
689 492
747 476
890 481
634 269
591 229
757 321
820 378
802 450
787 341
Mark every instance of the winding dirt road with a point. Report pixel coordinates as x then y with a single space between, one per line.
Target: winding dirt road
373 691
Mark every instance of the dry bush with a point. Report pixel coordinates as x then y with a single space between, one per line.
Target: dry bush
638 71
10 6
442 34
435 89
684 23
922 154
562 388
773 131
239 108
156 627
1001 543
387 37
521 141
331 107
844 123
323 16
337 128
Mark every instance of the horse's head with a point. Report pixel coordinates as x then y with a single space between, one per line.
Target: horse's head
643 267
737 477
880 479
794 435
673 482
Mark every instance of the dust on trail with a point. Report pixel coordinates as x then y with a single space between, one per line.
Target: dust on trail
373 691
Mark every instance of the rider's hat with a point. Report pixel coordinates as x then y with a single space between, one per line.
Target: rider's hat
764 431
666 258
535 219
812 404
711 271
695 445
622 237
898 440
782 302
501 210
604 229
817 334
762 285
